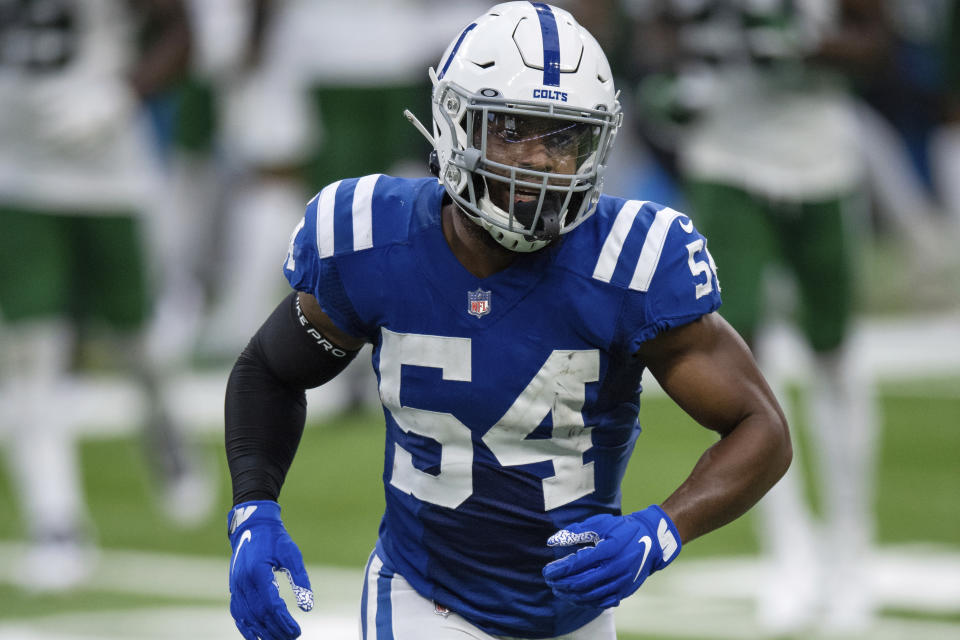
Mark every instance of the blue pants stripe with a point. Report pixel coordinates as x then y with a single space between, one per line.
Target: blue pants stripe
384 607
363 598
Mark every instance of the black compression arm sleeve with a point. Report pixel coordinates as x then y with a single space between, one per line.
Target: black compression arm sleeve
265 406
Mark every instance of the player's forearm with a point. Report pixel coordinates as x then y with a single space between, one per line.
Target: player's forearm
731 476
265 406
263 422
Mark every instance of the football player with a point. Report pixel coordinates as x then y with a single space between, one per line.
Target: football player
774 172
77 178
512 309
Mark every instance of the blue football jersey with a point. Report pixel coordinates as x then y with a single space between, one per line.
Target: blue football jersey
510 401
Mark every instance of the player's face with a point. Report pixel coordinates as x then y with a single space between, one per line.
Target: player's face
538 144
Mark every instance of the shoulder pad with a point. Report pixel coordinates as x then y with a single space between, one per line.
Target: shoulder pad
634 243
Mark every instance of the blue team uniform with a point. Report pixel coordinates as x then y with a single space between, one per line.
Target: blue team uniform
510 401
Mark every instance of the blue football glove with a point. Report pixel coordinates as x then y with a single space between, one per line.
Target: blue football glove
261 546
625 551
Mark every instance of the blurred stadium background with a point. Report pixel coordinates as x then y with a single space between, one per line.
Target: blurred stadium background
162 574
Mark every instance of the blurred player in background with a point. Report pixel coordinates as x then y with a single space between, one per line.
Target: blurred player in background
297 90
512 309
78 177
262 134
755 95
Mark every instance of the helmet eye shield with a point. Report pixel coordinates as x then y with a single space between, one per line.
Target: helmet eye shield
517 137
559 144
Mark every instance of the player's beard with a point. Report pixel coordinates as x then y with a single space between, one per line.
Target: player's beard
476 232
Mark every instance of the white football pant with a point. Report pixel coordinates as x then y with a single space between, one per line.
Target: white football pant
392 610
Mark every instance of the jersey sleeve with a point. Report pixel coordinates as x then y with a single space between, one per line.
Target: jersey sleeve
311 268
675 280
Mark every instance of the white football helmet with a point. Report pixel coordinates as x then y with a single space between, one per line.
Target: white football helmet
524 117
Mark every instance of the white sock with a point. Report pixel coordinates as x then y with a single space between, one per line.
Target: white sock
843 425
786 534
41 443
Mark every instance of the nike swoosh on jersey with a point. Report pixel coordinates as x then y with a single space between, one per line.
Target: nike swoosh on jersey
647 543
243 538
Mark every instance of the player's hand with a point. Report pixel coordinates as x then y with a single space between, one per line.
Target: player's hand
626 550
261 546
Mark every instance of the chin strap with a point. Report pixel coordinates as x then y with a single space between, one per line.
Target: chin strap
548 226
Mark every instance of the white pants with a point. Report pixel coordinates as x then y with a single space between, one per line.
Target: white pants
392 610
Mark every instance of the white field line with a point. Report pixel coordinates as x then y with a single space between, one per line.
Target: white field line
167 623
180 576
663 618
704 598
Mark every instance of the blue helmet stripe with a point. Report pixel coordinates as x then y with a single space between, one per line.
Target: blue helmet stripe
551 44
455 48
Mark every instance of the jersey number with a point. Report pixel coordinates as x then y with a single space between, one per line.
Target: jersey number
700 267
39 36
557 389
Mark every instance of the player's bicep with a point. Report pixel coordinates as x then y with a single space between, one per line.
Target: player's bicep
708 370
293 351
324 325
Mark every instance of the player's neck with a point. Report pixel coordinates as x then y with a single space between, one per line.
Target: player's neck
473 247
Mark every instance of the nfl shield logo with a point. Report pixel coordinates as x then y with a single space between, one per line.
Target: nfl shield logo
478 302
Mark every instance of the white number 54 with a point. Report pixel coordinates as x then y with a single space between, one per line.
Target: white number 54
557 389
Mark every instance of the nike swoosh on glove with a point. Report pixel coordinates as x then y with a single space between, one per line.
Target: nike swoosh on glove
262 546
626 550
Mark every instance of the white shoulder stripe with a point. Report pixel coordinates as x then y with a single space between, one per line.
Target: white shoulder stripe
363 212
613 245
325 203
652 246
